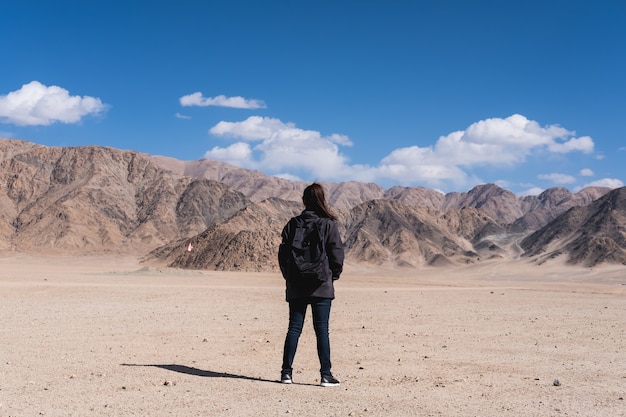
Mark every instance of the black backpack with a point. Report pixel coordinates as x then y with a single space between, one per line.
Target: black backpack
306 257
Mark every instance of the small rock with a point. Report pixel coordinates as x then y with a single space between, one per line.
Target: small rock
556 383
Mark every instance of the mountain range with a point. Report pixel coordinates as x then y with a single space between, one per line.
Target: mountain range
101 200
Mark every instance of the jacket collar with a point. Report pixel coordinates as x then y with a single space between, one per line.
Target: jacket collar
309 214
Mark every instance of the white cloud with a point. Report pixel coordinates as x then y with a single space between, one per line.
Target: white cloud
506 141
36 104
182 116
606 182
531 191
586 172
288 176
502 183
491 142
254 128
238 102
583 144
415 164
558 178
236 154
284 146
276 147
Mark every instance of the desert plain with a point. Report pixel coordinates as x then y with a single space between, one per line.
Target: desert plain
111 336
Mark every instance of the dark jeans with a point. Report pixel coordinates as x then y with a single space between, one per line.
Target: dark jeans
321 313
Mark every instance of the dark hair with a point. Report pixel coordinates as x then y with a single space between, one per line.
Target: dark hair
314 199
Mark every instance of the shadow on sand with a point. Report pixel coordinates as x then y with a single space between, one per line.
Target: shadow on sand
200 372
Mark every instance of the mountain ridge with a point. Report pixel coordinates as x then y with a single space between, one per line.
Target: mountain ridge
95 200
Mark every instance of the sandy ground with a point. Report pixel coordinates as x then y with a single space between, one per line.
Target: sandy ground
109 337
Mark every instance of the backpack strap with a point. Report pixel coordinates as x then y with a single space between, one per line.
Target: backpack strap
320 230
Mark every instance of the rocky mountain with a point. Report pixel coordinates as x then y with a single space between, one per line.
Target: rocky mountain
379 232
258 186
96 200
531 212
492 200
390 231
585 235
247 241
540 210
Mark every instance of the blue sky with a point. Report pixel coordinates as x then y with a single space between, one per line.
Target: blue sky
442 94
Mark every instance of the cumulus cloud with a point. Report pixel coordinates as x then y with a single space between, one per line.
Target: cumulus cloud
236 154
583 144
254 128
281 146
237 102
36 104
419 164
557 178
288 176
278 147
491 142
606 182
531 191
586 172
182 116
506 141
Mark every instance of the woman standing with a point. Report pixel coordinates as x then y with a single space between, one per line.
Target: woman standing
317 293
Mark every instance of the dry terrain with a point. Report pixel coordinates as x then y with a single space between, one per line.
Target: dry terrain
108 336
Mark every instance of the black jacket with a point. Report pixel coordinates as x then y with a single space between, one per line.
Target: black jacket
295 289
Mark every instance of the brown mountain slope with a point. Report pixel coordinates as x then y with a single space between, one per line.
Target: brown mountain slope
474 226
247 241
403 235
586 235
258 186
388 231
497 203
94 199
540 210
379 232
416 196
532 212
98 200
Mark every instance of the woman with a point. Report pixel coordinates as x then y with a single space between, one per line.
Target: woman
317 293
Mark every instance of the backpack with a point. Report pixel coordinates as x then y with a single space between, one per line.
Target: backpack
306 256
